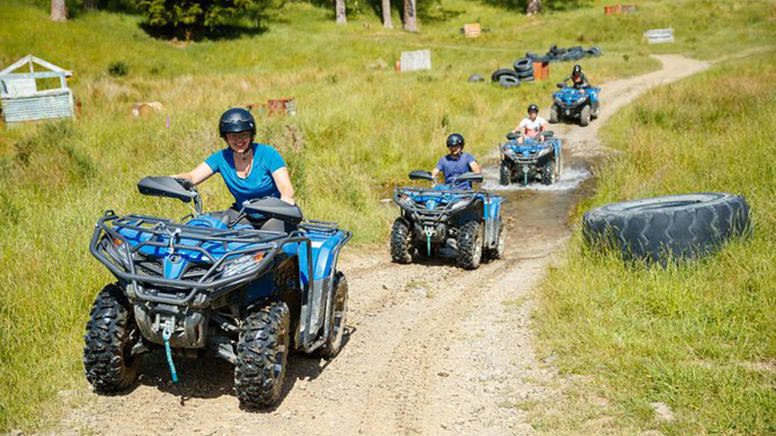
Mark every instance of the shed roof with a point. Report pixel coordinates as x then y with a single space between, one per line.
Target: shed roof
29 59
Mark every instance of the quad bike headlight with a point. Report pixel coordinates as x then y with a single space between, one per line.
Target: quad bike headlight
243 264
581 99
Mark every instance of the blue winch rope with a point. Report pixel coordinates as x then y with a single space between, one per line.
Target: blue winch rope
166 334
428 245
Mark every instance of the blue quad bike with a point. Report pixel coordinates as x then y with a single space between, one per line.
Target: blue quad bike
210 285
572 103
533 160
447 222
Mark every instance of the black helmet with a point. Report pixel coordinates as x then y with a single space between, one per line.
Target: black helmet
455 140
577 69
236 120
533 108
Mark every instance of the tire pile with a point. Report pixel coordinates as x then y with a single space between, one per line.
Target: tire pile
556 54
509 78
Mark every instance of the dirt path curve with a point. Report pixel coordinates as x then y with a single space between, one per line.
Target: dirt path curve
432 349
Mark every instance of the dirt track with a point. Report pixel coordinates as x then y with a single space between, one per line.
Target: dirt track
432 348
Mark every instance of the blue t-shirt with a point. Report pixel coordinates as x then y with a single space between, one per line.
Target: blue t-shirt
455 167
259 183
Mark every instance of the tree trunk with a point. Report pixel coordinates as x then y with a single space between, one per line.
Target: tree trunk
410 20
534 7
90 4
387 14
339 8
58 10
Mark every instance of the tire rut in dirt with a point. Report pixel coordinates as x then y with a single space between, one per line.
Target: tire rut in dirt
108 363
262 353
407 376
674 226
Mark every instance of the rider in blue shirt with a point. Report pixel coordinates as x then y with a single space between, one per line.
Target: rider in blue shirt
456 162
250 170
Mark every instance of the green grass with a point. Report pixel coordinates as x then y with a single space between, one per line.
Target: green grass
357 133
698 336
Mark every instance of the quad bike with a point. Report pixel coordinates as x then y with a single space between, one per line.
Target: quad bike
532 160
573 103
447 222
212 285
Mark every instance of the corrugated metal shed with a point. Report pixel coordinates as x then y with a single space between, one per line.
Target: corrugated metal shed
21 99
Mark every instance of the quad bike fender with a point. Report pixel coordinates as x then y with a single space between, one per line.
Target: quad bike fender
492 212
318 291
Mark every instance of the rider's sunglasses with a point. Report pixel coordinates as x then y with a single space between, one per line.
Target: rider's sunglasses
238 136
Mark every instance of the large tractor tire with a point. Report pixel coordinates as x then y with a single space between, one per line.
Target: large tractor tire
401 242
656 229
111 332
470 245
584 116
262 354
554 114
333 344
505 174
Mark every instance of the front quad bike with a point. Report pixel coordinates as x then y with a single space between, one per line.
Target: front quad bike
447 222
213 285
532 160
572 103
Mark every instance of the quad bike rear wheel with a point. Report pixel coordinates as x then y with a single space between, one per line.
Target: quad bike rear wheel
262 354
401 242
554 113
333 344
584 116
470 245
548 173
497 252
505 174
111 332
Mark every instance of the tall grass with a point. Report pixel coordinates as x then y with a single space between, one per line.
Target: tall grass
697 336
358 131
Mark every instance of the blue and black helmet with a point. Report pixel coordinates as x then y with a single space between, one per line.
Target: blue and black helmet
576 70
236 120
533 108
455 140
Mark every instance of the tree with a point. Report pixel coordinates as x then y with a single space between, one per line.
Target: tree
58 10
339 9
410 18
188 18
387 14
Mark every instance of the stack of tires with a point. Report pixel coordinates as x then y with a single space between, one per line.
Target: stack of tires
524 69
508 78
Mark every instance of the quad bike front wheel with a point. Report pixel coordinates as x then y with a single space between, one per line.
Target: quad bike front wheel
554 114
262 354
505 174
548 173
470 245
111 332
584 116
333 344
401 242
